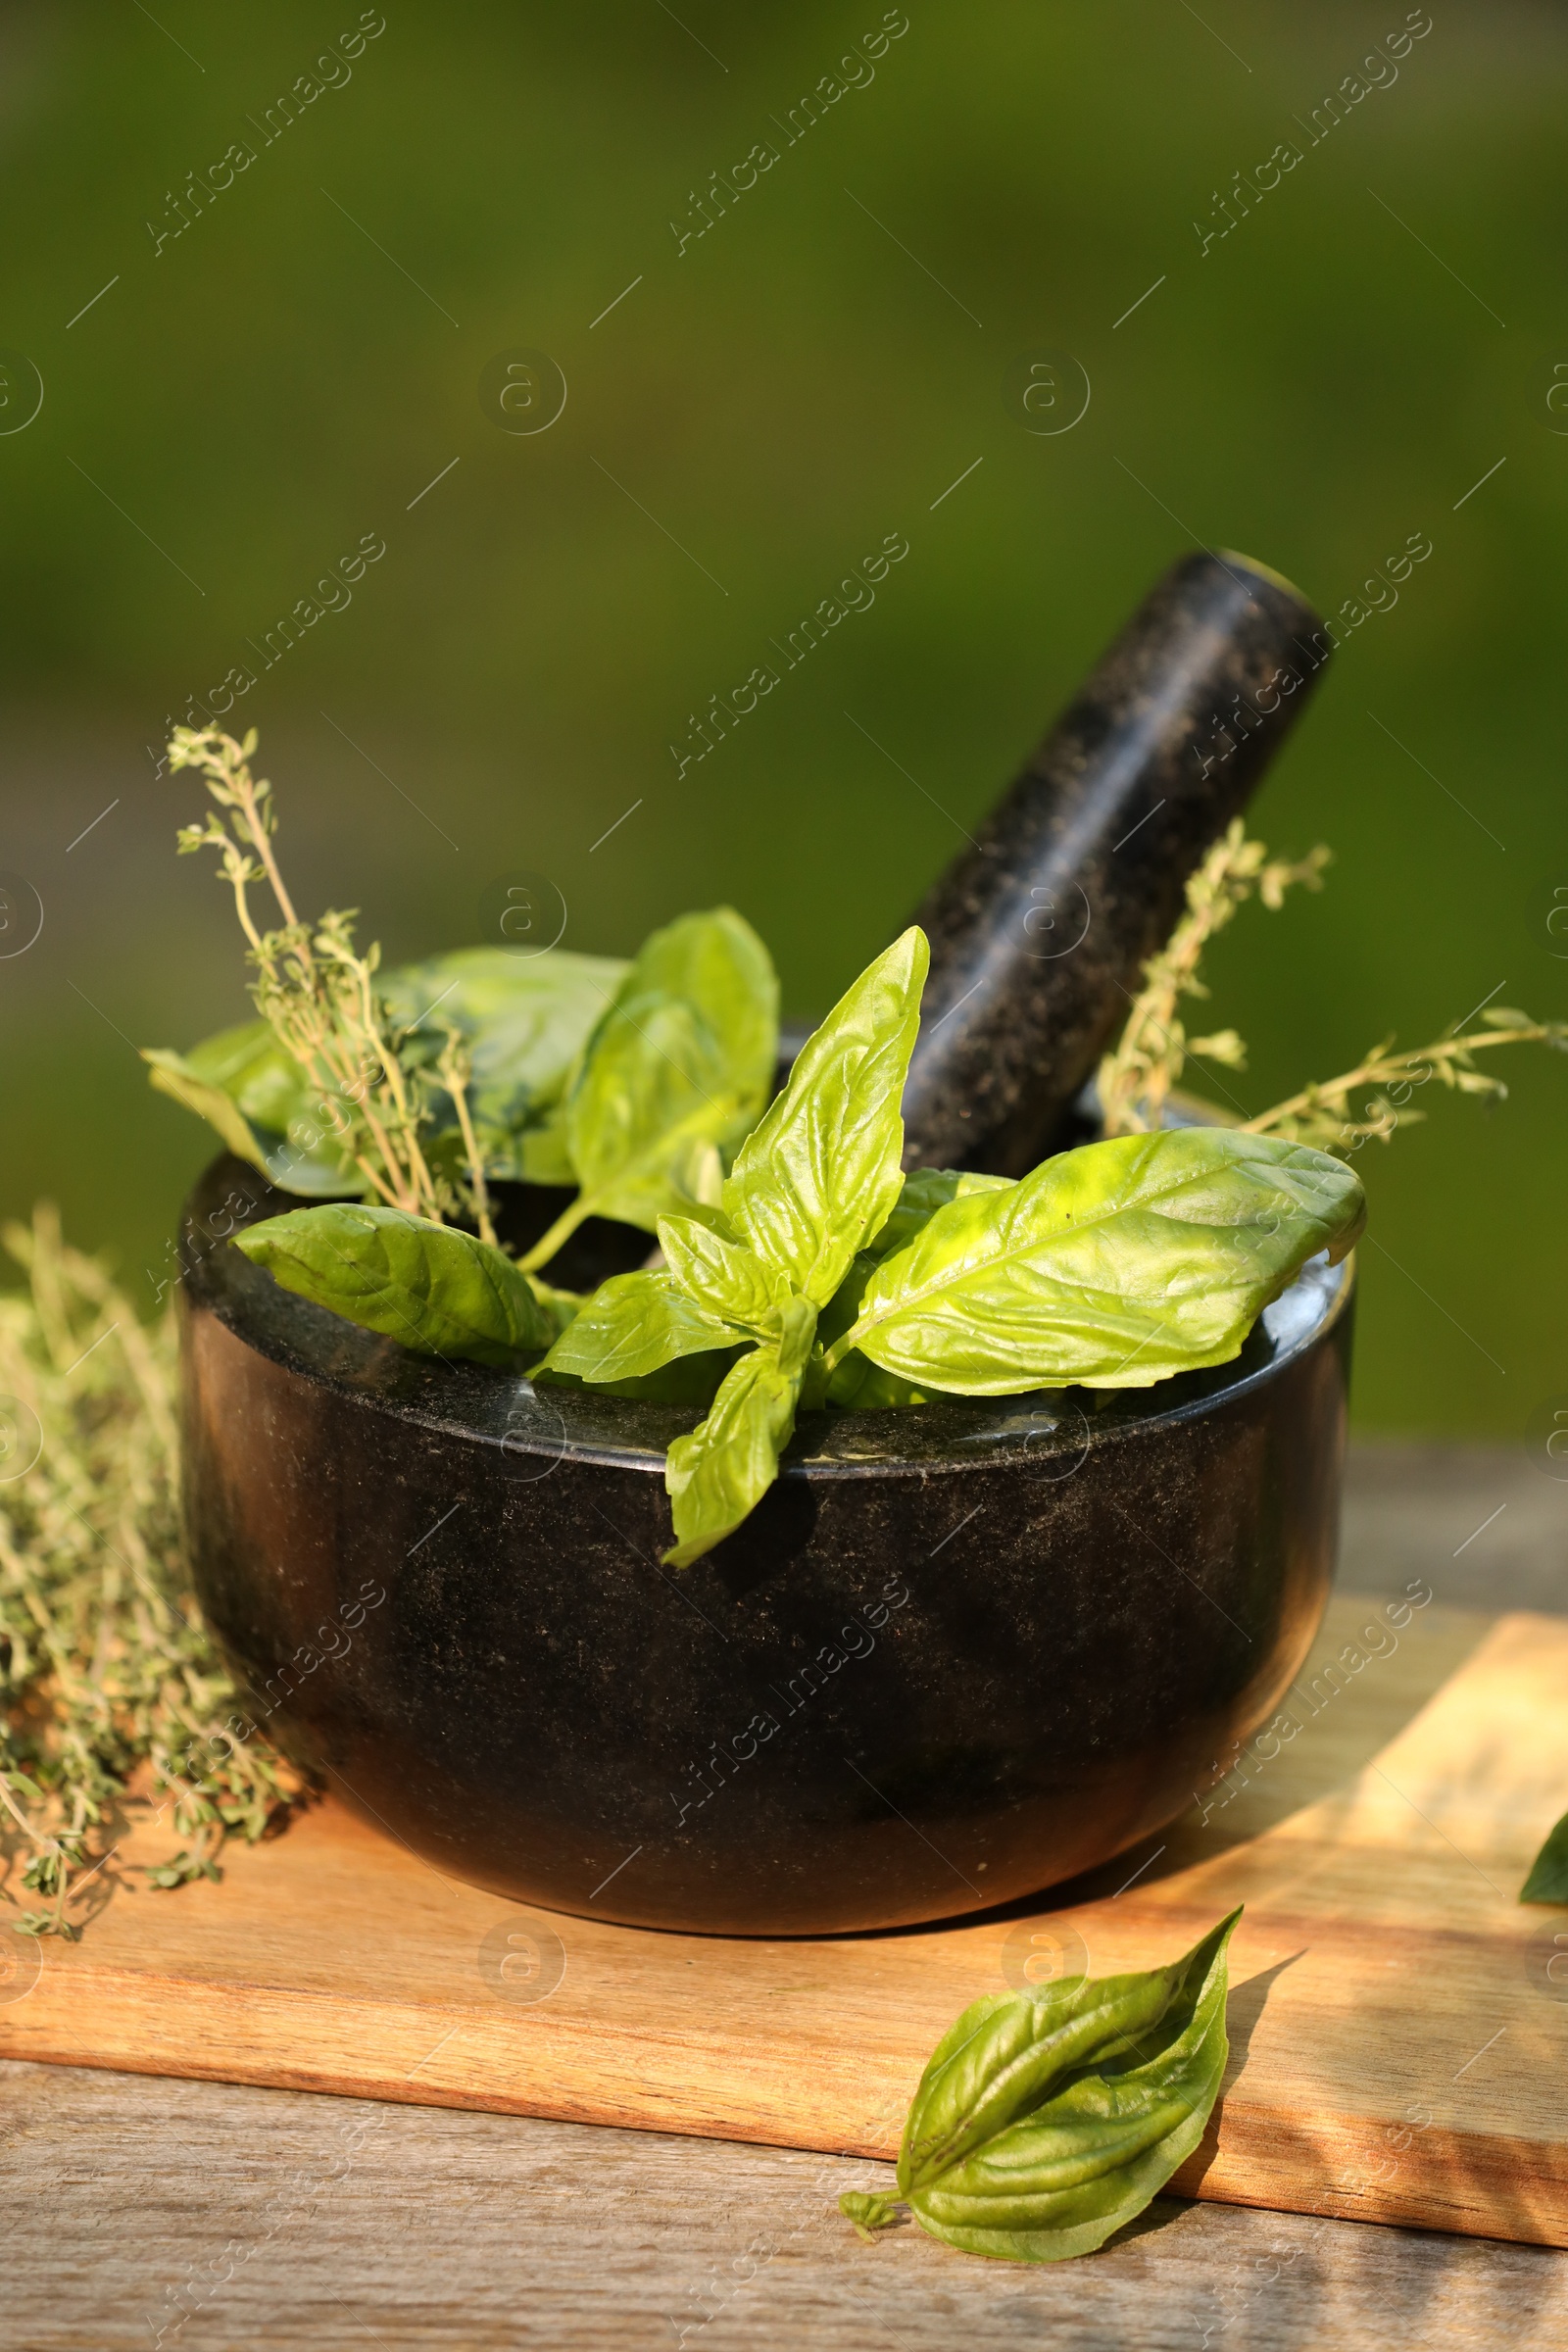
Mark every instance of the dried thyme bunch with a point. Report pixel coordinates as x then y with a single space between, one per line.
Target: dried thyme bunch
116 1707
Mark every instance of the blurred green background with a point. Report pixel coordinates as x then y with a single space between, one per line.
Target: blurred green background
248 398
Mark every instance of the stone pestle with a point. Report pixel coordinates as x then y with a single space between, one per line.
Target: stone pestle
1039 932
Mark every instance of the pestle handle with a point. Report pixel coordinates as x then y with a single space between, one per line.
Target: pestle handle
1039 933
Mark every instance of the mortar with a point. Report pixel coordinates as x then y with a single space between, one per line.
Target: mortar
959 1652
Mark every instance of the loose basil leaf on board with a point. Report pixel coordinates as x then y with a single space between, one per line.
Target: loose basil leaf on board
1046 2119
820 1174
925 1191
525 1021
720 1472
1115 1264
258 1098
1547 1881
676 1069
432 1288
631 1326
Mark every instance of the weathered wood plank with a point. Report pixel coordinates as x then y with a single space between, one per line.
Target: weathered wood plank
325 2225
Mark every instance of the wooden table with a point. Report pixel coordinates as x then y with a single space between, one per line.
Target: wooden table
237 2219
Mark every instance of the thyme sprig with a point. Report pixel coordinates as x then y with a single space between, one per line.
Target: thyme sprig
318 994
1382 1083
1365 1105
1136 1078
115 1706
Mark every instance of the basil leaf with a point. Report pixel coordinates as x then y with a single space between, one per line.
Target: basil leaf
1115 1264
538 1155
720 1472
925 1191
259 1100
690 1381
721 1274
432 1288
821 1172
1046 2119
525 1021
678 1066
631 1325
1547 1881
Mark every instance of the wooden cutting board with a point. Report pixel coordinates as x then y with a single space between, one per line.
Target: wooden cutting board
1399 2046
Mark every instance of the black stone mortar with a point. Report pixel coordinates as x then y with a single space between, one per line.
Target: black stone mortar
959 1652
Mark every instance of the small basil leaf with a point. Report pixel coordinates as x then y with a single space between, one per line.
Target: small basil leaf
432 1288
820 1174
1547 1881
722 1470
631 1326
721 1275
680 1063
1115 1264
925 1191
1046 2119
791 1328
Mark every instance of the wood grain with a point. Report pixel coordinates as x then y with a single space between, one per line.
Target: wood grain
238 2219
1394 2057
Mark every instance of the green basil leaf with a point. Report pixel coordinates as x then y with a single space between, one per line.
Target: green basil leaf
820 1174
257 1096
1547 1881
721 1274
679 1064
538 1155
1115 1264
720 1472
690 1380
631 1325
1046 2119
925 1191
525 1021
432 1288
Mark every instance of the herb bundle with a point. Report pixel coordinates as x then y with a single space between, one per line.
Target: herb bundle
798 1268
116 1704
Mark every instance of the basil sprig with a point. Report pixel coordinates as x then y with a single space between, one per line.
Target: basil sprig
1115 1265
809 1186
1046 2119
